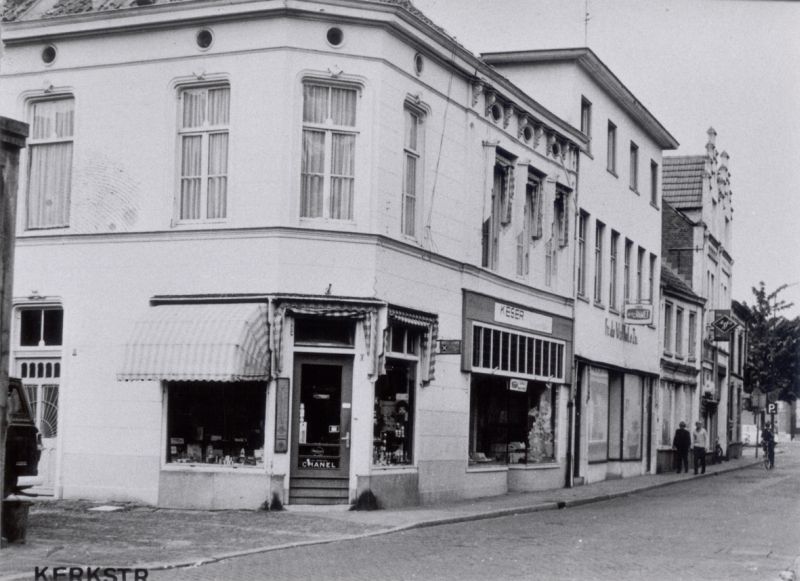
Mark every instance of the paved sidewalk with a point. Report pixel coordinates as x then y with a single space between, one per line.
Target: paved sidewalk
66 533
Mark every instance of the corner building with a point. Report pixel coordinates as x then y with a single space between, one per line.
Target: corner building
298 249
617 271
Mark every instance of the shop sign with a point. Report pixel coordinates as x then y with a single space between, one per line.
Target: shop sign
449 346
319 464
639 314
723 324
511 315
518 385
621 331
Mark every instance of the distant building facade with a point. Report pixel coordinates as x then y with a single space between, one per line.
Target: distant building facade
697 232
681 339
618 248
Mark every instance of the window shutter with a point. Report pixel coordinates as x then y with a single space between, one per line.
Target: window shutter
537 201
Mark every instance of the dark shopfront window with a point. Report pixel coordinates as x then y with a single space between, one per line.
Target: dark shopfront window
615 415
509 426
393 435
216 423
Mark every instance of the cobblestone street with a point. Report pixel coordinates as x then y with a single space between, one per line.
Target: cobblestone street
741 525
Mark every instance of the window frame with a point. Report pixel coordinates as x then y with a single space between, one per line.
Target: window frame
583 219
599 234
626 271
502 173
679 331
586 118
667 327
640 274
692 348
612 274
652 277
415 152
654 183
634 167
329 129
34 144
205 132
611 148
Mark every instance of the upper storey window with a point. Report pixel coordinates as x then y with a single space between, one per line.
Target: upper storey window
412 176
611 148
329 147
203 134
50 163
502 193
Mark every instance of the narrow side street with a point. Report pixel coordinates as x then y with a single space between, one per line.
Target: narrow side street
741 525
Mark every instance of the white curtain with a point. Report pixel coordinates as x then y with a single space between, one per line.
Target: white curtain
342 170
410 196
217 175
194 108
315 103
313 173
343 107
191 180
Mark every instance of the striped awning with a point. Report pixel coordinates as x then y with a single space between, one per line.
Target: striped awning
199 342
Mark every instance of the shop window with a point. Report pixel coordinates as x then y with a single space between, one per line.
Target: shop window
40 327
632 417
614 415
324 331
511 422
216 423
393 422
598 414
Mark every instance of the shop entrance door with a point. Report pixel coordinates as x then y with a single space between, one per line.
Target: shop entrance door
321 430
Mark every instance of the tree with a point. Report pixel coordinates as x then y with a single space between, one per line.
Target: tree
773 356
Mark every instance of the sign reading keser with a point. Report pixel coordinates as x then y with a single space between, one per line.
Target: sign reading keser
510 315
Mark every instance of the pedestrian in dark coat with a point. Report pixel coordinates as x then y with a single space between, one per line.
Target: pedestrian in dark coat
681 443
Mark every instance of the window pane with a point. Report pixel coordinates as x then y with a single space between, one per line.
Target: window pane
632 428
194 108
217 172
342 167
393 419
30 327
614 415
218 106
191 168
411 130
49 185
343 107
208 423
315 103
313 165
598 414
53 325
52 119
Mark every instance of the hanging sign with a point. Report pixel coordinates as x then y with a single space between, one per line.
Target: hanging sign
638 314
723 325
449 346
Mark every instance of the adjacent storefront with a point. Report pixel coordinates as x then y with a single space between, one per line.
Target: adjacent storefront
517 358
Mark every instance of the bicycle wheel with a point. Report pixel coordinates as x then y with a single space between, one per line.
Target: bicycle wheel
766 461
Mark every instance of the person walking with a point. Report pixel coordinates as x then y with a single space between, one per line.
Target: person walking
768 442
681 443
700 444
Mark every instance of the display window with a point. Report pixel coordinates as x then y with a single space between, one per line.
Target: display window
597 416
216 423
393 418
511 421
615 415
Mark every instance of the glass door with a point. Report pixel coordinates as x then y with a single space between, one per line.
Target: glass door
321 417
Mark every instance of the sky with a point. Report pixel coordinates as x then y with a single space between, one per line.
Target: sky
730 64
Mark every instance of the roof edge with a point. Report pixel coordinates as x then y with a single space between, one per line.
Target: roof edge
599 71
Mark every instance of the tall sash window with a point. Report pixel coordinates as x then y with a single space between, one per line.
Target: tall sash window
329 146
50 163
205 116
412 174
